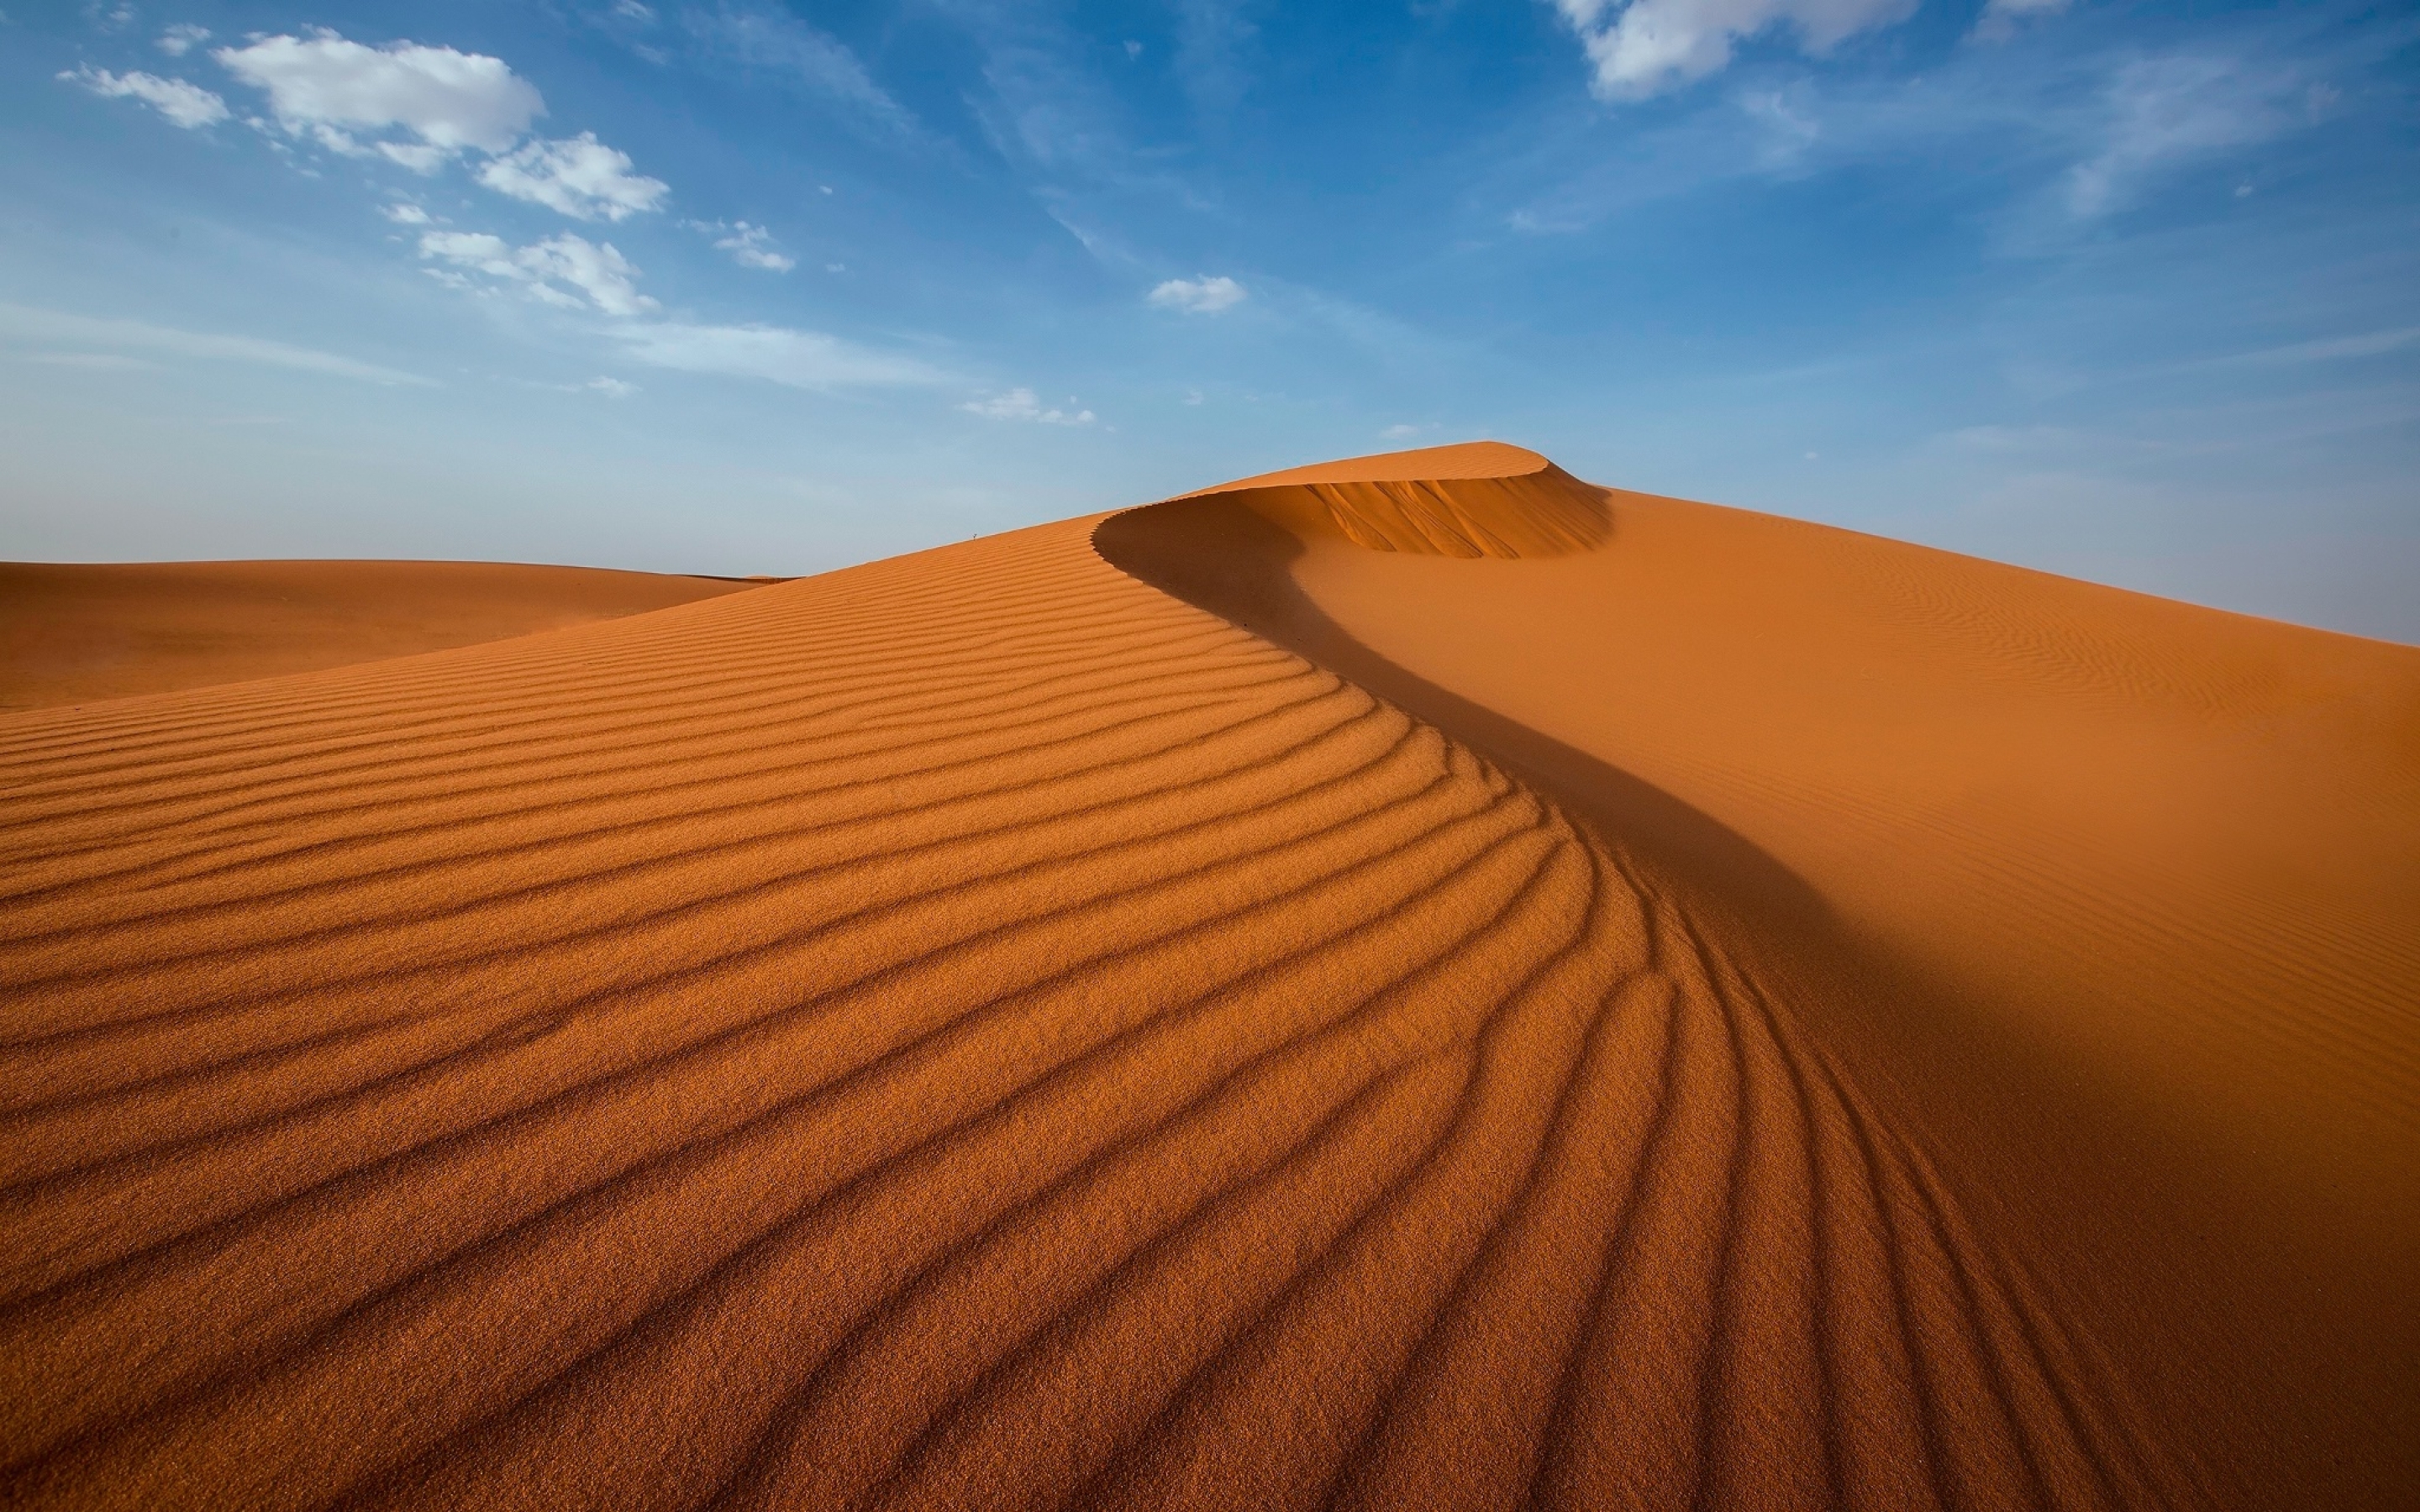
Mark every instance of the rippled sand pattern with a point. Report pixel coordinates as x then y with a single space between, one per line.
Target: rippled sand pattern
968 1031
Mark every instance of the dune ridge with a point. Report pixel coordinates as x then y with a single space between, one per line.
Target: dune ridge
1481 499
971 1030
79 632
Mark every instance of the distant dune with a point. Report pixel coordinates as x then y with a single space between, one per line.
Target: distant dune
72 633
1413 982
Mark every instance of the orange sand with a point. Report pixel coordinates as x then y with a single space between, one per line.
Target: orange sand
1449 988
74 633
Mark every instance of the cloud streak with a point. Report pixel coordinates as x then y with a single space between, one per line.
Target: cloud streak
770 39
2166 112
25 323
1025 404
184 104
797 358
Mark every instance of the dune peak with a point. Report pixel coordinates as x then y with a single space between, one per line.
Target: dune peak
1476 499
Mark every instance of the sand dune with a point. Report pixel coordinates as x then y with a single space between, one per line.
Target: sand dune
1026 1026
74 633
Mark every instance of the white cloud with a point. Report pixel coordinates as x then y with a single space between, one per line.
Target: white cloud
2166 111
405 214
1645 47
450 100
188 105
1205 295
1024 404
1399 432
332 91
598 272
800 359
613 388
581 177
752 246
595 268
489 255
181 38
134 335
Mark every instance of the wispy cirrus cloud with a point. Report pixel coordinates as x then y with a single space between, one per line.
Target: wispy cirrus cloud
797 359
2001 17
54 327
1024 404
768 40
2325 350
2066 138
2164 113
1212 38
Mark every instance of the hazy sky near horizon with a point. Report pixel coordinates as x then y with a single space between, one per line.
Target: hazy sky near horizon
2125 292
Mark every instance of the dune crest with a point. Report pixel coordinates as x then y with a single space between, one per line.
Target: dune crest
1480 499
981 1029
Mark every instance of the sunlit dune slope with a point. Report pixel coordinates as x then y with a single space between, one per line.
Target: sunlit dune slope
2115 893
72 633
982 1030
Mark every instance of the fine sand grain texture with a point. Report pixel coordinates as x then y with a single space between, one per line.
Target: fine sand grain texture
75 633
1105 1016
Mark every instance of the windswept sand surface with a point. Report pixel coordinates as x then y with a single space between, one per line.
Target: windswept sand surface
1242 1017
74 633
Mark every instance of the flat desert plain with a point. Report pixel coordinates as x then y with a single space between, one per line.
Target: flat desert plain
1413 982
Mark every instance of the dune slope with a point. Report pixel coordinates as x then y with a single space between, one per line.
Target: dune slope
978 1031
2113 895
74 633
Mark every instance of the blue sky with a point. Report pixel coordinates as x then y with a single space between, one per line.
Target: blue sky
2126 291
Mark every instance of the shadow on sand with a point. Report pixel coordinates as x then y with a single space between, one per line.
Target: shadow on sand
1221 554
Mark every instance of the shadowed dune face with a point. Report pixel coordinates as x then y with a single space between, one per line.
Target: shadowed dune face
74 633
976 1031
